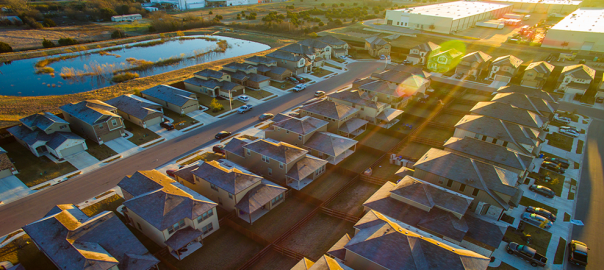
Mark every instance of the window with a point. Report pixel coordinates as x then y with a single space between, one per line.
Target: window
208 228
265 159
230 196
205 216
505 144
281 165
276 199
286 131
462 187
476 135
270 171
475 192
300 137
114 122
494 140
176 226
62 127
212 186
484 138
449 183
247 151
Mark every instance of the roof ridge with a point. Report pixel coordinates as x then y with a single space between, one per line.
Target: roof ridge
484 184
511 137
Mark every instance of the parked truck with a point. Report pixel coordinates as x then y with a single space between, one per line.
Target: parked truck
526 253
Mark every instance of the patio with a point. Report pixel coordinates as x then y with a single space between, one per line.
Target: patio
335 160
251 218
298 185
188 250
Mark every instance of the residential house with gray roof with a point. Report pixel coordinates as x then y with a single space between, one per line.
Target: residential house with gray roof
46 133
330 147
140 111
576 79
510 113
392 86
343 119
504 68
72 240
377 47
281 162
297 63
533 94
172 98
268 67
444 61
338 47
493 188
246 74
388 92
536 74
474 64
372 110
323 263
6 166
420 53
216 83
169 213
94 119
233 187
534 104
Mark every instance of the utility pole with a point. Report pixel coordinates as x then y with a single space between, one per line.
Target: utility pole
230 100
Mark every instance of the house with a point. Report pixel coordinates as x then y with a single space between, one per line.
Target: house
474 64
246 74
6 166
420 53
437 211
72 240
342 119
493 154
296 63
338 47
172 98
331 147
279 161
388 92
380 242
268 67
576 79
321 49
357 83
139 111
444 61
312 54
167 212
215 83
537 96
409 83
126 18
373 111
504 68
46 133
493 188
415 70
530 103
94 119
377 47
233 187
513 136
293 130
509 113
323 263
536 74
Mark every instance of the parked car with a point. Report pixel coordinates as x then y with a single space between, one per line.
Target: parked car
542 212
244 108
600 100
265 116
222 135
561 119
382 57
218 149
407 62
569 132
536 220
571 128
167 125
577 253
292 79
243 98
562 161
170 173
545 191
319 94
553 167
299 87
300 79
526 253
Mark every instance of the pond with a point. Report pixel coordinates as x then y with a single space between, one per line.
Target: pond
93 69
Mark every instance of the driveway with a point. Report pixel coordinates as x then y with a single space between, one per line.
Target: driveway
120 145
11 189
81 160
167 134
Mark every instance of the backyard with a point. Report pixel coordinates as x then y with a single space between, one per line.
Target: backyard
461 107
433 133
385 170
22 250
275 261
539 237
414 150
420 110
140 135
180 121
560 141
447 119
377 139
326 185
351 200
207 100
475 97
360 160
99 151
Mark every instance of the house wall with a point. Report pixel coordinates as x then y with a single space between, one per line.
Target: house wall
280 134
140 122
107 131
254 160
201 90
57 127
296 67
146 228
82 128
334 124
356 261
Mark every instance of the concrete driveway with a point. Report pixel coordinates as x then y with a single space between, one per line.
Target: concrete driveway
120 145
81 160
11 189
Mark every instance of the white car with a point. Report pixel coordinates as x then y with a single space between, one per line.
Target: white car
560 119
243 98
244 108
569 133
319 94
300 87
571 128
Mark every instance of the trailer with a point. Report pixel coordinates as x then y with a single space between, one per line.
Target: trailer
496 24
514 16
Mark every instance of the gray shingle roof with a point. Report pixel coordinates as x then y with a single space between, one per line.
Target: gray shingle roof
231 180
235 146
183 237
508 60
210 73
284 56
352 125
427 47
330 109
90 111
263 68
78 242
376 41
520 100
508 113
239 66
211 83
355 97
41 120
259 196
477 56
387 88
431 195
579 71
169 94
52 140
260 60
142 182
137 107
329 143
304 125
279 70
531 93
416 70
305 167
313 43
331 40
498 129
489 151
541 67
279 151
298 48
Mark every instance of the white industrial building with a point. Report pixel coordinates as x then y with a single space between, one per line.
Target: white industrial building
541 6
581 30
126 18
183 4
446 17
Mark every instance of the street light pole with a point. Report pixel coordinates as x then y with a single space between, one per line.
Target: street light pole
230 100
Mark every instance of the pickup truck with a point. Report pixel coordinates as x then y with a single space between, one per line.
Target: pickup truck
526 253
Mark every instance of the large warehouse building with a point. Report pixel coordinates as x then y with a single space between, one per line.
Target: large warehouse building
541 6
446 17
581 30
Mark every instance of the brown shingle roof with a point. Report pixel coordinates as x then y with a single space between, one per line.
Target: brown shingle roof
489 151
329 143
279 151
232 180
520 100
330 109
430 195
259 196
508 112
305 167
304 125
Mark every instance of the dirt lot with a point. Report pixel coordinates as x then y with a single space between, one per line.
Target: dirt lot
351 200
448 119
360 160
274 260
21 38
414 150
326 185
377 140
435 134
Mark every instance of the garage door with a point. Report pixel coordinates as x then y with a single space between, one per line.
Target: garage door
265 84
500 78
154 121
72 150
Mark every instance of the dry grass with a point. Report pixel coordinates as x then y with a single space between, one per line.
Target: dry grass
32 38
111 203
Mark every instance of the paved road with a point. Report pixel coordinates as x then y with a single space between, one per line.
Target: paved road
31 208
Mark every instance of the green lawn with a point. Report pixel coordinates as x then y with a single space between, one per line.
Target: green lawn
377 140
326 185
559 257
333 66
275 261
530 202
319 72
206 100
109 204
180 121
286 85
258 94
560 141
580 146
140 135
385 170
359 161
351 200
35 170
539 238
414 150
100 152
432 133
557 183
22 250
447 119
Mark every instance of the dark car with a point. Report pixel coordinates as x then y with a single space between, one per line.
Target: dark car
170 172
167 125
542 212
265 116
218 149
292 79
577 253
563 162
553 167
300 79
545 191
222 135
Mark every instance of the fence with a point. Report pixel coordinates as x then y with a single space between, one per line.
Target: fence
441 126
305 197
426 141
288 252
257 238
340 215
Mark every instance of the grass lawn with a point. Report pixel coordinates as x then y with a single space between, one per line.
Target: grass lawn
272 224
109 204
560 141
180 121
414 150
530 202
359 161
557 183
580 146
447 119
274 260
559 258
35 170
385 170
223 249
435 134
461 107
319 72
326 185
207 156
419 111
502 266
141 135
377 140
539 237
286 85
319 234
351 200
23 250
206 100
333 66
258 94
100 152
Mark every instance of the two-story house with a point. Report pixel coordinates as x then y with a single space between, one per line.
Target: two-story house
493 188
338 47
268 67
139 111
420 53
322 50
246 75
375 112
444 61
296 63
530 103
536 74
343 119
94 119
474 64
576 79
214 83
513 136
504 68
377 47
73 240
233 187
314 55
408 82
172 98
387 92
537 96
278 161
510 113
167 212
46 133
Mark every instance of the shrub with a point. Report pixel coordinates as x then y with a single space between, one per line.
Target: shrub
4 47
107 13
341 4
32 22
67 41
322 4
47 43
211 12
180 33
124 77
152 28
118 34
321 24
216 106
338 22
49 23
313 35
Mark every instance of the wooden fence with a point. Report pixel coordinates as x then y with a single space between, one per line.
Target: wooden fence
288 252
441 126
340 215
430 142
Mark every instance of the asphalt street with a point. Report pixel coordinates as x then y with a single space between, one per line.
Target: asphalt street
80 188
